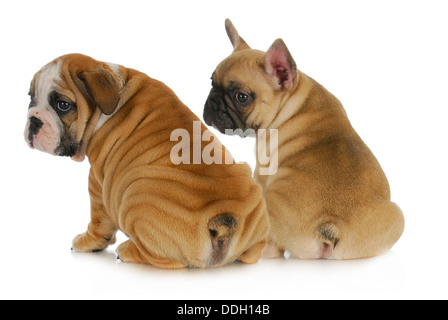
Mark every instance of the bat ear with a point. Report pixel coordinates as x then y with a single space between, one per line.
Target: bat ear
280 66
237 42
102 88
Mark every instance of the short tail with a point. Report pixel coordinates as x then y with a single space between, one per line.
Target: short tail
329 235
221 228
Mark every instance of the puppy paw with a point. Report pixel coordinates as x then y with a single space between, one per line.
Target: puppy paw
252 255
87 242
273 252
128 252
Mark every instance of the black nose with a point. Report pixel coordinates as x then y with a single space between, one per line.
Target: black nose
35 125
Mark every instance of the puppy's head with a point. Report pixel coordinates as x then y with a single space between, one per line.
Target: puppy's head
65 94
249 86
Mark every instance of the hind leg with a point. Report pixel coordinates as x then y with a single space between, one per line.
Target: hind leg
374 234
253 254
129 252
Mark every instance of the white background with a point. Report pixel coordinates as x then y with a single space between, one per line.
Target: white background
385 60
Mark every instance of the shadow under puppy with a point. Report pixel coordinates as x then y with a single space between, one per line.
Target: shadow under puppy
329 197
195 215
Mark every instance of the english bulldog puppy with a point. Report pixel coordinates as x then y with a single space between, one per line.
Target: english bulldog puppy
327 196
176 215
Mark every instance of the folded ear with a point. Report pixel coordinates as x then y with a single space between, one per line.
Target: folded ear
102 88
280 66
237 42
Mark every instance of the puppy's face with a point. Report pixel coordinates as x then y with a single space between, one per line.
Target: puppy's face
240 92
52 113
249 86
64 95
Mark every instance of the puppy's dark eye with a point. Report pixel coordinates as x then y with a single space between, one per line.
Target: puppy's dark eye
241 97
64 106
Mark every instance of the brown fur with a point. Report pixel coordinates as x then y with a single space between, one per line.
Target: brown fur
329 197
174 215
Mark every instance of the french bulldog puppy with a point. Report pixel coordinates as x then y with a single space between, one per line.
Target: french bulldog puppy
329 197
176 215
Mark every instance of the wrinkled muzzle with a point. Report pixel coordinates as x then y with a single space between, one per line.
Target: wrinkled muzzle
221 114
42 132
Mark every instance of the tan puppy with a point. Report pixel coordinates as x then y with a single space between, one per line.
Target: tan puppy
329 197
194 215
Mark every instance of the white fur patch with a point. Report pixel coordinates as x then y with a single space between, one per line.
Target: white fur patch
47 80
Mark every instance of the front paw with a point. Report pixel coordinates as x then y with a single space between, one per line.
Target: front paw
87 242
